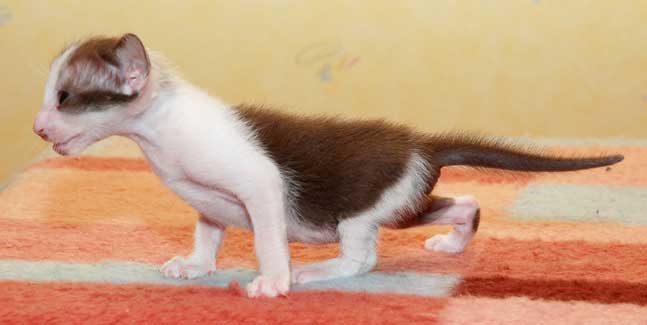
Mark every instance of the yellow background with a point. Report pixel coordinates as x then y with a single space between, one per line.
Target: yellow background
575 68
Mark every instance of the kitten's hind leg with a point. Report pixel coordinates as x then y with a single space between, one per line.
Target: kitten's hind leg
358 254
462 212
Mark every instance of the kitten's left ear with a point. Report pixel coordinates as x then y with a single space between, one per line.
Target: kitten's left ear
133 61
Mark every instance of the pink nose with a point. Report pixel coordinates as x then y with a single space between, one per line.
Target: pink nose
40 131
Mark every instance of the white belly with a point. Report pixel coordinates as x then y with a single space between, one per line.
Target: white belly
212 203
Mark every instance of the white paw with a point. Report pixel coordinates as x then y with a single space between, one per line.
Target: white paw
330 269
181 268
269 286
313 272
449 243
303 275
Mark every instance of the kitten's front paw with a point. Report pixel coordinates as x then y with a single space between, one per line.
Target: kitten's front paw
181 268
269 286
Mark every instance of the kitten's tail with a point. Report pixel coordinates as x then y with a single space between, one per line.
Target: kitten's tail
481 151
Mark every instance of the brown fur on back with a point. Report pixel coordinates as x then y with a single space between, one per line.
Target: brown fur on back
340 167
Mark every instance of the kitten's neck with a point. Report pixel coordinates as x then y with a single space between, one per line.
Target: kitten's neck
154 103
165 99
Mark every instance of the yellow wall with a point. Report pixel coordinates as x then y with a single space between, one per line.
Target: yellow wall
574 68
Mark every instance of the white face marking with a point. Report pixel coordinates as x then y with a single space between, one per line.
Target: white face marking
50 99
54 126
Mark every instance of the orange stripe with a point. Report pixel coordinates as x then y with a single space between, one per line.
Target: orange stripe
82 197
488 257
607 292
522 310
399 250
94 163
563 231
95 242
485 176
91 242
68 303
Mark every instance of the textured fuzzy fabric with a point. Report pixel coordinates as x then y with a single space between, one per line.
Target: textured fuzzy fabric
66 303
600 204
409 283
80 239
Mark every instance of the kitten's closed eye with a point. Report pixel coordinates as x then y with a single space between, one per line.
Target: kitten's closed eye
62 96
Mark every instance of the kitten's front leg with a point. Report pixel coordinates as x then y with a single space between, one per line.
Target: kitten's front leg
207 240
267 213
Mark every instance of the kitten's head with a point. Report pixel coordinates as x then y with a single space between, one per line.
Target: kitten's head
91 90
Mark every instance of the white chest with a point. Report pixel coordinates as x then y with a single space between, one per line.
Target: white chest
212 201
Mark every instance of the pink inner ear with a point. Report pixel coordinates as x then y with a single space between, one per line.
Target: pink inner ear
132 56
135 79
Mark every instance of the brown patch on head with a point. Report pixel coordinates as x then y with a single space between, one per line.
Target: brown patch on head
90 76
95 74
96 51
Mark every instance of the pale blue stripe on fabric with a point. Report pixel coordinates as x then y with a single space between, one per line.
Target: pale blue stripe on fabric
117 272
582 203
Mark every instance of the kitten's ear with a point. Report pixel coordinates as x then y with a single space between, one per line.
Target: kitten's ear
133 62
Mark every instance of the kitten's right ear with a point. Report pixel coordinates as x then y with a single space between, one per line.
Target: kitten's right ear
134 64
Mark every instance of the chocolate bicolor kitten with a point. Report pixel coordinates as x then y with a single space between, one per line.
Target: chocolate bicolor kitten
286 178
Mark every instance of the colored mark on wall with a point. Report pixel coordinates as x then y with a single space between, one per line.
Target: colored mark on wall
325 73
329 57
5 15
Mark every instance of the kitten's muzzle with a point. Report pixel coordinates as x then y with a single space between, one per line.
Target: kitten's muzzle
40 131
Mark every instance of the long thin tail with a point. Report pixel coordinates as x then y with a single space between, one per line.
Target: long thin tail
481 151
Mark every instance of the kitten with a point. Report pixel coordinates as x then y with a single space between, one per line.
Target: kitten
286 178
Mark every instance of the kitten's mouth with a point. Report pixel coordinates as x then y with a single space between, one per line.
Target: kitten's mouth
62 148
